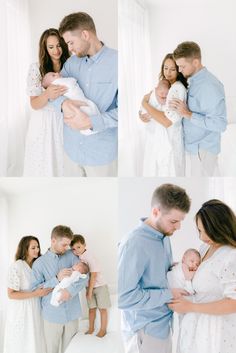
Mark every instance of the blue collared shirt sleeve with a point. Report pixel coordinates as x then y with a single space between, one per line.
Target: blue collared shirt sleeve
132 294
77 286
213 107
37 278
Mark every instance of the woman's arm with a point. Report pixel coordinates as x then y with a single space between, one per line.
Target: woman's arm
39 292
52 92
155 114
219 307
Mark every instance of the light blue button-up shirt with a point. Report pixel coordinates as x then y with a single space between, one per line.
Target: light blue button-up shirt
206 101
44 272
97 76
144 258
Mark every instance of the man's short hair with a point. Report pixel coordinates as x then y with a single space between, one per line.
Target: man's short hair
62 232
169 196
78 20
187 50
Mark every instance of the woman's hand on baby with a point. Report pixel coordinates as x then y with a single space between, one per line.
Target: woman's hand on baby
55 91
41 292
145 117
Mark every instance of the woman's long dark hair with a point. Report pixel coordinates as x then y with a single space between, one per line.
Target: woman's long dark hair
23 247
180 76
45 61
219 222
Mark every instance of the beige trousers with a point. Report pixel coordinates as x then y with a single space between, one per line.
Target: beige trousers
204 164
72 169
142 343
59 335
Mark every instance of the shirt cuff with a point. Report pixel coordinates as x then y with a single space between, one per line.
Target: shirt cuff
97 123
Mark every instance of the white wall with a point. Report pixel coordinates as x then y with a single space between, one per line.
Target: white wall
210 23
45 14
135 199
88 206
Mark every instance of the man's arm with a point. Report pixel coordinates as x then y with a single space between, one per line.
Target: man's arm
132 294
38 279
77 286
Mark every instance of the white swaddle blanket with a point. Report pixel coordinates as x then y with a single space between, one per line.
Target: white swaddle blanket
75 92
158 155
66 282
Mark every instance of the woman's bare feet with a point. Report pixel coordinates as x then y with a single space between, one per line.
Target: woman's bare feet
101 333
89 332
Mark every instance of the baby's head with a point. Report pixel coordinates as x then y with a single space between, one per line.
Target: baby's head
162 90
192 259
78 245
81 266
49 78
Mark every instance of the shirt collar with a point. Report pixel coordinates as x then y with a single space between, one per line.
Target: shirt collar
198 74
97 56
52 254
153 232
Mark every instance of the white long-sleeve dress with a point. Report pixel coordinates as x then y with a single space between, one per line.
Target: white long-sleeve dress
214 280
164 148
24 327
44 139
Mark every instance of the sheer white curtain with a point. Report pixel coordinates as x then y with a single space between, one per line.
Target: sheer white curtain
223 189
4 263
14 64
134 80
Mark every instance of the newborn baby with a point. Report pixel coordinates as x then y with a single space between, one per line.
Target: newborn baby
181 274
158 96
79 270
74 92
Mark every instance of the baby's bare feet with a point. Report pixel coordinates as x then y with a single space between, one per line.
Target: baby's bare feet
101 333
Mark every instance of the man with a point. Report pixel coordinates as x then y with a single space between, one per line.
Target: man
61 322
205 112
95 68
144 259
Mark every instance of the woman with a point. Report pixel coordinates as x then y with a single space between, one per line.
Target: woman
164 153
209 324
44 145
24 331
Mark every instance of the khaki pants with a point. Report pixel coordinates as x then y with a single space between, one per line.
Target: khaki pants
142 343
59 335
72 169
204 164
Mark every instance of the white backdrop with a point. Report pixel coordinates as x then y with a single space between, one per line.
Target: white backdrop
45 14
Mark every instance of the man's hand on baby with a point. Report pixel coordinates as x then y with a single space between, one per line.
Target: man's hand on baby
55 91
74 117
180 107
65 272
178 293
65 295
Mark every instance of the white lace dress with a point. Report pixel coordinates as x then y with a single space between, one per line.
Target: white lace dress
24 328
44 139
214 280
